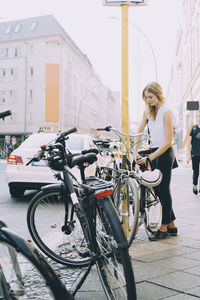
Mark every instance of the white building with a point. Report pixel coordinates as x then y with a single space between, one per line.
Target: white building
184 83
47 81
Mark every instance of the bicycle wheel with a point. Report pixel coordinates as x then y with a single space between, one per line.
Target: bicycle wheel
153 211
127 202
26 272
45 218
113 263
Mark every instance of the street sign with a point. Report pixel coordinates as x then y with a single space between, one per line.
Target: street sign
127 2
192 105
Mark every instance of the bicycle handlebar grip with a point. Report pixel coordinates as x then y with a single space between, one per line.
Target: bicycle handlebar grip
100 129
5 114
107 128
72 130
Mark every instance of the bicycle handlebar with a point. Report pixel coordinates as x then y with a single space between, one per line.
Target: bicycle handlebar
5 114
66 133
107 128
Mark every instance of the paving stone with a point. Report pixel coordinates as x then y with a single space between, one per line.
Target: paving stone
146 271
193 255
179 281
149 291
179 262
180 296
195 270
195 291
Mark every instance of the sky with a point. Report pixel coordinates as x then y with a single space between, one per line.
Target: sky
96 29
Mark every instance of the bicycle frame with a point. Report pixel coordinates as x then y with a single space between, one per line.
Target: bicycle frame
7 235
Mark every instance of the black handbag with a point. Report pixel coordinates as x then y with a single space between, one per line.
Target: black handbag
175 164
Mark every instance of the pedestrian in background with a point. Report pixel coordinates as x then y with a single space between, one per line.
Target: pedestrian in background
159 120
194 145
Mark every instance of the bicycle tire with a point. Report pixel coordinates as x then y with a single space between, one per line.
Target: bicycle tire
153 211
129 212
113 264
45 218
27 273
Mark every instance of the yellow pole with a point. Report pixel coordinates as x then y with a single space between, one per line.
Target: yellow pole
125 113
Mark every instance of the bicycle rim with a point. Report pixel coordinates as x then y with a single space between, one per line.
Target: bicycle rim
25 279
113 264
153 211
127 203
45 218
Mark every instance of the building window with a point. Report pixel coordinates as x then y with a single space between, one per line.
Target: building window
11 72
31 96
14 96
17 28
15 76
31 72
8 29
2 100
16 52
33 26
31 48
14 117
3 73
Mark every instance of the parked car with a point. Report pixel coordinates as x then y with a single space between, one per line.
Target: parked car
21 177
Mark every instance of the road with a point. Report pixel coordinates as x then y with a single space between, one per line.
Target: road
13 210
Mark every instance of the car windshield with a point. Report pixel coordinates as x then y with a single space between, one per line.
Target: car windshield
36 140
75 142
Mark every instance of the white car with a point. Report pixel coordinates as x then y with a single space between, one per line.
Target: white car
21 177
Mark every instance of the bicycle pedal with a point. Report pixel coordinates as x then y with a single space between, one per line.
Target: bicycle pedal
18 290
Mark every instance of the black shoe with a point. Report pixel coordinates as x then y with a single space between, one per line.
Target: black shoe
172 231
158 235
195 190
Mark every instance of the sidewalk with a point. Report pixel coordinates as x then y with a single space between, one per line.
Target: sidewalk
169 269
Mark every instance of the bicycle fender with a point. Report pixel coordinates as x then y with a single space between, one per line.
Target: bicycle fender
57 187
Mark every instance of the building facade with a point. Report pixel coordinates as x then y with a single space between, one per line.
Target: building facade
48 83
184 83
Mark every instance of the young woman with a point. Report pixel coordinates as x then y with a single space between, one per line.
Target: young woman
159 119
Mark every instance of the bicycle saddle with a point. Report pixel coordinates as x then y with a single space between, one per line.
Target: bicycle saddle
151 178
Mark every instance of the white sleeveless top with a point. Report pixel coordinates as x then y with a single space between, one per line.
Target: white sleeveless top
156 128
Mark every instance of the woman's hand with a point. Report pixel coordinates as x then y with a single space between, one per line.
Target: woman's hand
141 160
136 156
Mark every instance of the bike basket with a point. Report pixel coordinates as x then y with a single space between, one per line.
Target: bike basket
151 178
101 187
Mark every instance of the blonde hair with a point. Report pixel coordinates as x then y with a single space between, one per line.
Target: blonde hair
156 89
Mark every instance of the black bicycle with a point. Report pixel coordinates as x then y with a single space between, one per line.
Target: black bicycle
24 272
75 223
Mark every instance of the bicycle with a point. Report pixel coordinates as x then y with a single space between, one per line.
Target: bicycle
24 272
134 195
79 225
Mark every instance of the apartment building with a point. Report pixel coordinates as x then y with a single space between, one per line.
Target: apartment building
184 83
48 82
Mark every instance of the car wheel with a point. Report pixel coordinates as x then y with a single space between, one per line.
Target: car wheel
16 191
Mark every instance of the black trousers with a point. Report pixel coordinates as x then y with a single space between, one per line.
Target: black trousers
164 163
195 167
